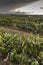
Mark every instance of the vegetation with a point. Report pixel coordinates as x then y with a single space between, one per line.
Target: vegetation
28 23
22 50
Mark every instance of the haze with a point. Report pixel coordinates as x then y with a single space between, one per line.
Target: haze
11 6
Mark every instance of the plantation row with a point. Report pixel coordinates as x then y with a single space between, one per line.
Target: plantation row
28 23
21 50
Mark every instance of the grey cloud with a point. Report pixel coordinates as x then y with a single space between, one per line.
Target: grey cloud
9 2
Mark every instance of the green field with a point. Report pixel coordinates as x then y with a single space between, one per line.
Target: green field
27 23
21 40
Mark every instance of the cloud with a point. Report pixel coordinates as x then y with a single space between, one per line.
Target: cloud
9 2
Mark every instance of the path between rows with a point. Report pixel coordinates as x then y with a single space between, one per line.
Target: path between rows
15 30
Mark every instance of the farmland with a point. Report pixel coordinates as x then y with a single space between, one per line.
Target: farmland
27 23
20 40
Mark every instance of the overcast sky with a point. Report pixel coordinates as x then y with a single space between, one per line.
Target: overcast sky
32 7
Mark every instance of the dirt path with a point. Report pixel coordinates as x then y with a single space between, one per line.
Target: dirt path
15 30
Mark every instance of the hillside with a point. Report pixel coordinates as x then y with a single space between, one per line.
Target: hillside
19 44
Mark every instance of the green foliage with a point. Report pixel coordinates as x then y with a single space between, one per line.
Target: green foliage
3 51
22 49
28 23
34 62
